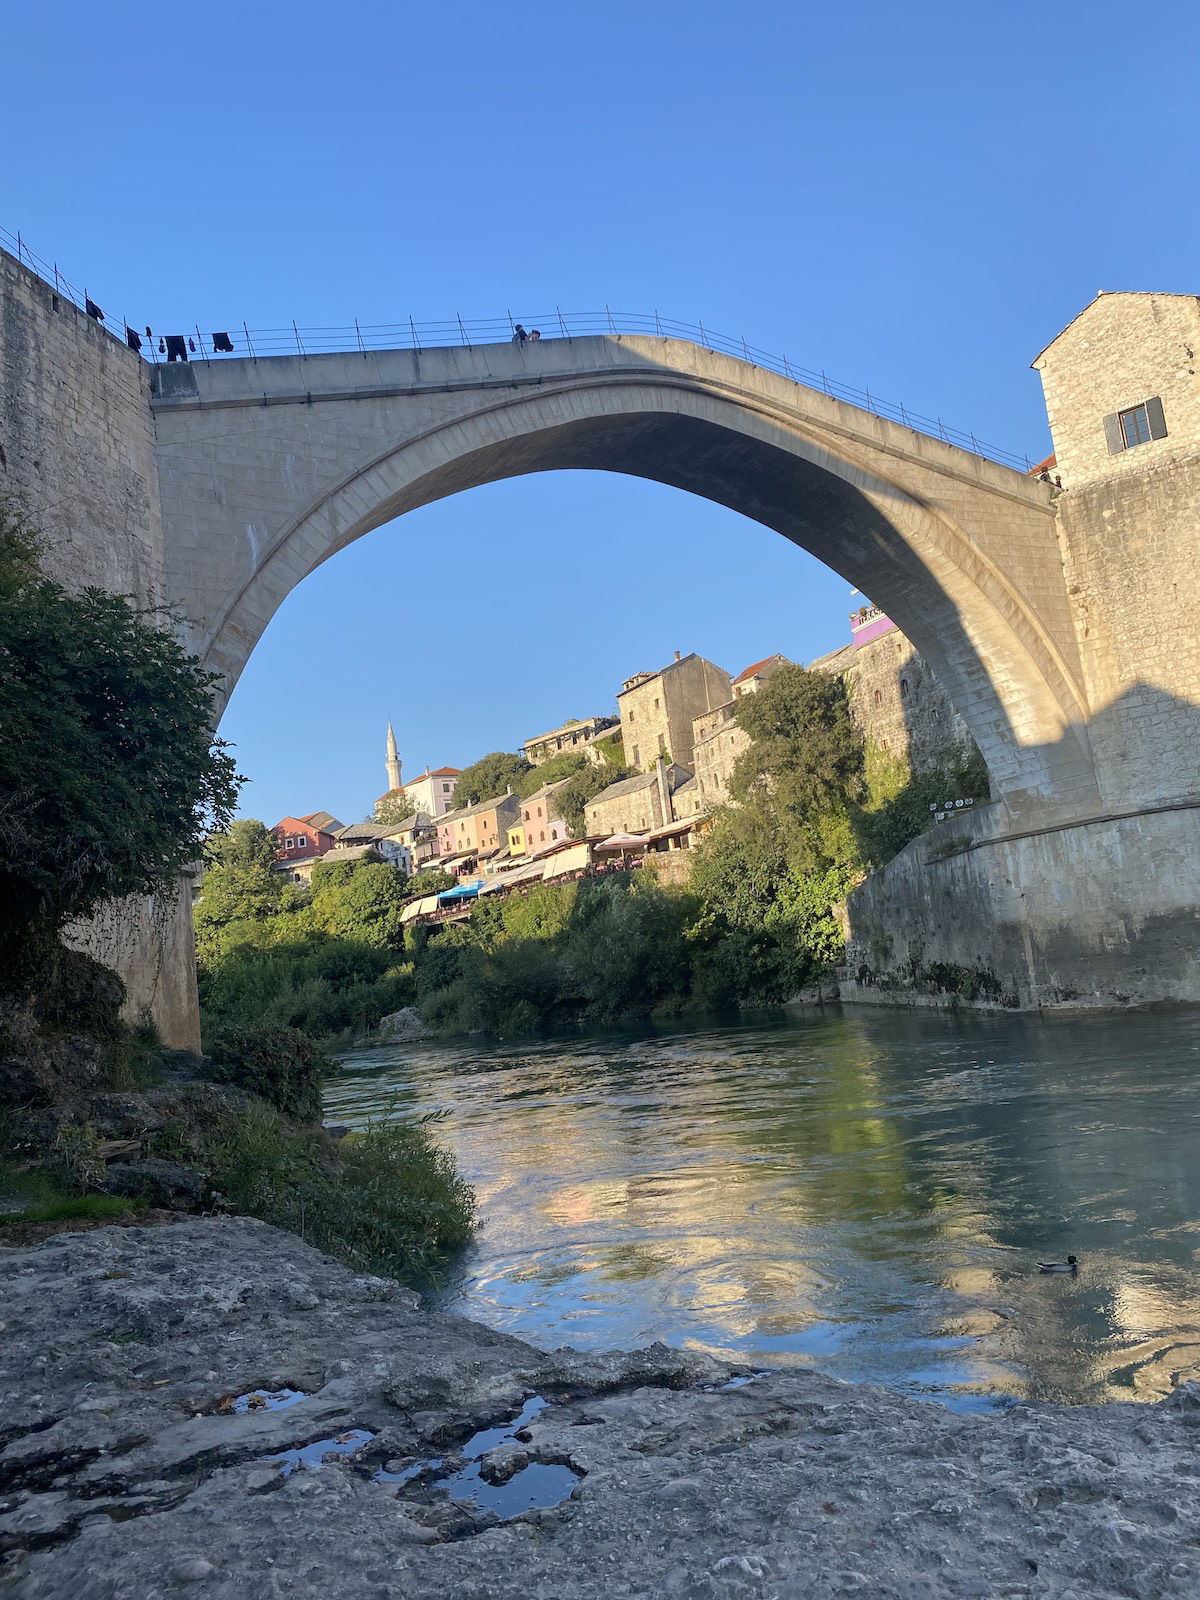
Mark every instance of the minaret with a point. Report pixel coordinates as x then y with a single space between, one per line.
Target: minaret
393 761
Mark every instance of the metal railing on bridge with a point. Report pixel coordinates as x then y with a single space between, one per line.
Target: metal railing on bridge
408 334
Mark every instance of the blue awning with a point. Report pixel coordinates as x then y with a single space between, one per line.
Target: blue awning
464 891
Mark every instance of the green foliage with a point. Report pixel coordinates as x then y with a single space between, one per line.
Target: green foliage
805 751
240 884
393 807
360 901
427 883
817 809
898 804
109 777
563 765
596 950
329 963
326 988
585 785
387 1201
279 1065
50 1191
612 747
491 775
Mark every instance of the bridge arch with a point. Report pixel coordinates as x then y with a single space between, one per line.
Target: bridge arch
270 470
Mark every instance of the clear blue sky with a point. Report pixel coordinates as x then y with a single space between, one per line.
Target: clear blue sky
915 198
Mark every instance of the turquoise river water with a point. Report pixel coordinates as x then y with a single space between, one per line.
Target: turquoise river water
868 1194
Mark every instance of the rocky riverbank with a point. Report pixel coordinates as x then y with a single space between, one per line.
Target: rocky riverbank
169 1393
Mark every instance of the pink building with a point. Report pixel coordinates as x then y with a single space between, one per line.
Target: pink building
868 623
541 823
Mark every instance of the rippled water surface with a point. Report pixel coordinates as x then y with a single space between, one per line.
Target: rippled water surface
868 1194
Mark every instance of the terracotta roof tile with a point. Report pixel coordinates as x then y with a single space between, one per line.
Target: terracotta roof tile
753 671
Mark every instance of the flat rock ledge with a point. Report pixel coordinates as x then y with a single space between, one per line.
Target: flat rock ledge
130 1471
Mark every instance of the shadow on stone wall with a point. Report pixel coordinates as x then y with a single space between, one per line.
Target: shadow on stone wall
1099 909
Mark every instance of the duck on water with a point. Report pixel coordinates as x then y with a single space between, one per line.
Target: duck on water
1071 1264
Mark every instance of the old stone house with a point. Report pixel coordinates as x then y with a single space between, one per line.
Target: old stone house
894 698
658 709
718 740
379 836
575 734
897 702
1122 387
635 805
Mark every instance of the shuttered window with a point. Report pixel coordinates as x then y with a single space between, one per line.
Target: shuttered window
1136 425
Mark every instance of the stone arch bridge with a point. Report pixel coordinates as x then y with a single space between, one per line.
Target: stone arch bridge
1064 634
267 467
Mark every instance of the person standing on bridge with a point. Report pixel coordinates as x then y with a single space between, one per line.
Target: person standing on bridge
519 334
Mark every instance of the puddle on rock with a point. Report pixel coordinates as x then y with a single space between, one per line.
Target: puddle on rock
262 1400
309 1456
535 1486
738 1382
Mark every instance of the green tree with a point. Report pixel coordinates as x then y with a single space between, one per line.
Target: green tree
489 776
804 745
110 779
563 765
240 886
360 901
393 807
582 786
425 883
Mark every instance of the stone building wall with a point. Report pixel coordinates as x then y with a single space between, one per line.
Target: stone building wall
719 742
632 806
1128 523
1099 913
77 451
1131 544
1118 352
894 698
77 440
897 702
657 715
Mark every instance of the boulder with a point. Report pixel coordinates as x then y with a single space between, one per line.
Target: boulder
167 1184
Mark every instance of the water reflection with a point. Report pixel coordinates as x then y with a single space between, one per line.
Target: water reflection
868 1194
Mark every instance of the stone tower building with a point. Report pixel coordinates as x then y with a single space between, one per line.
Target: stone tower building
393 760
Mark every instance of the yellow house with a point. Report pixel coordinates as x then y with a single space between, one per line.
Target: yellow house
516 840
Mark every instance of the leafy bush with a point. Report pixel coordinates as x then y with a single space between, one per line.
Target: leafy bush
109 776
279 1065
396 1206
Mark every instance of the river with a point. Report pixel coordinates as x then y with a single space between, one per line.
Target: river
868 1193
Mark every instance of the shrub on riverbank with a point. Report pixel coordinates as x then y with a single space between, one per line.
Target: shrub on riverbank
280 1065
388 1200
